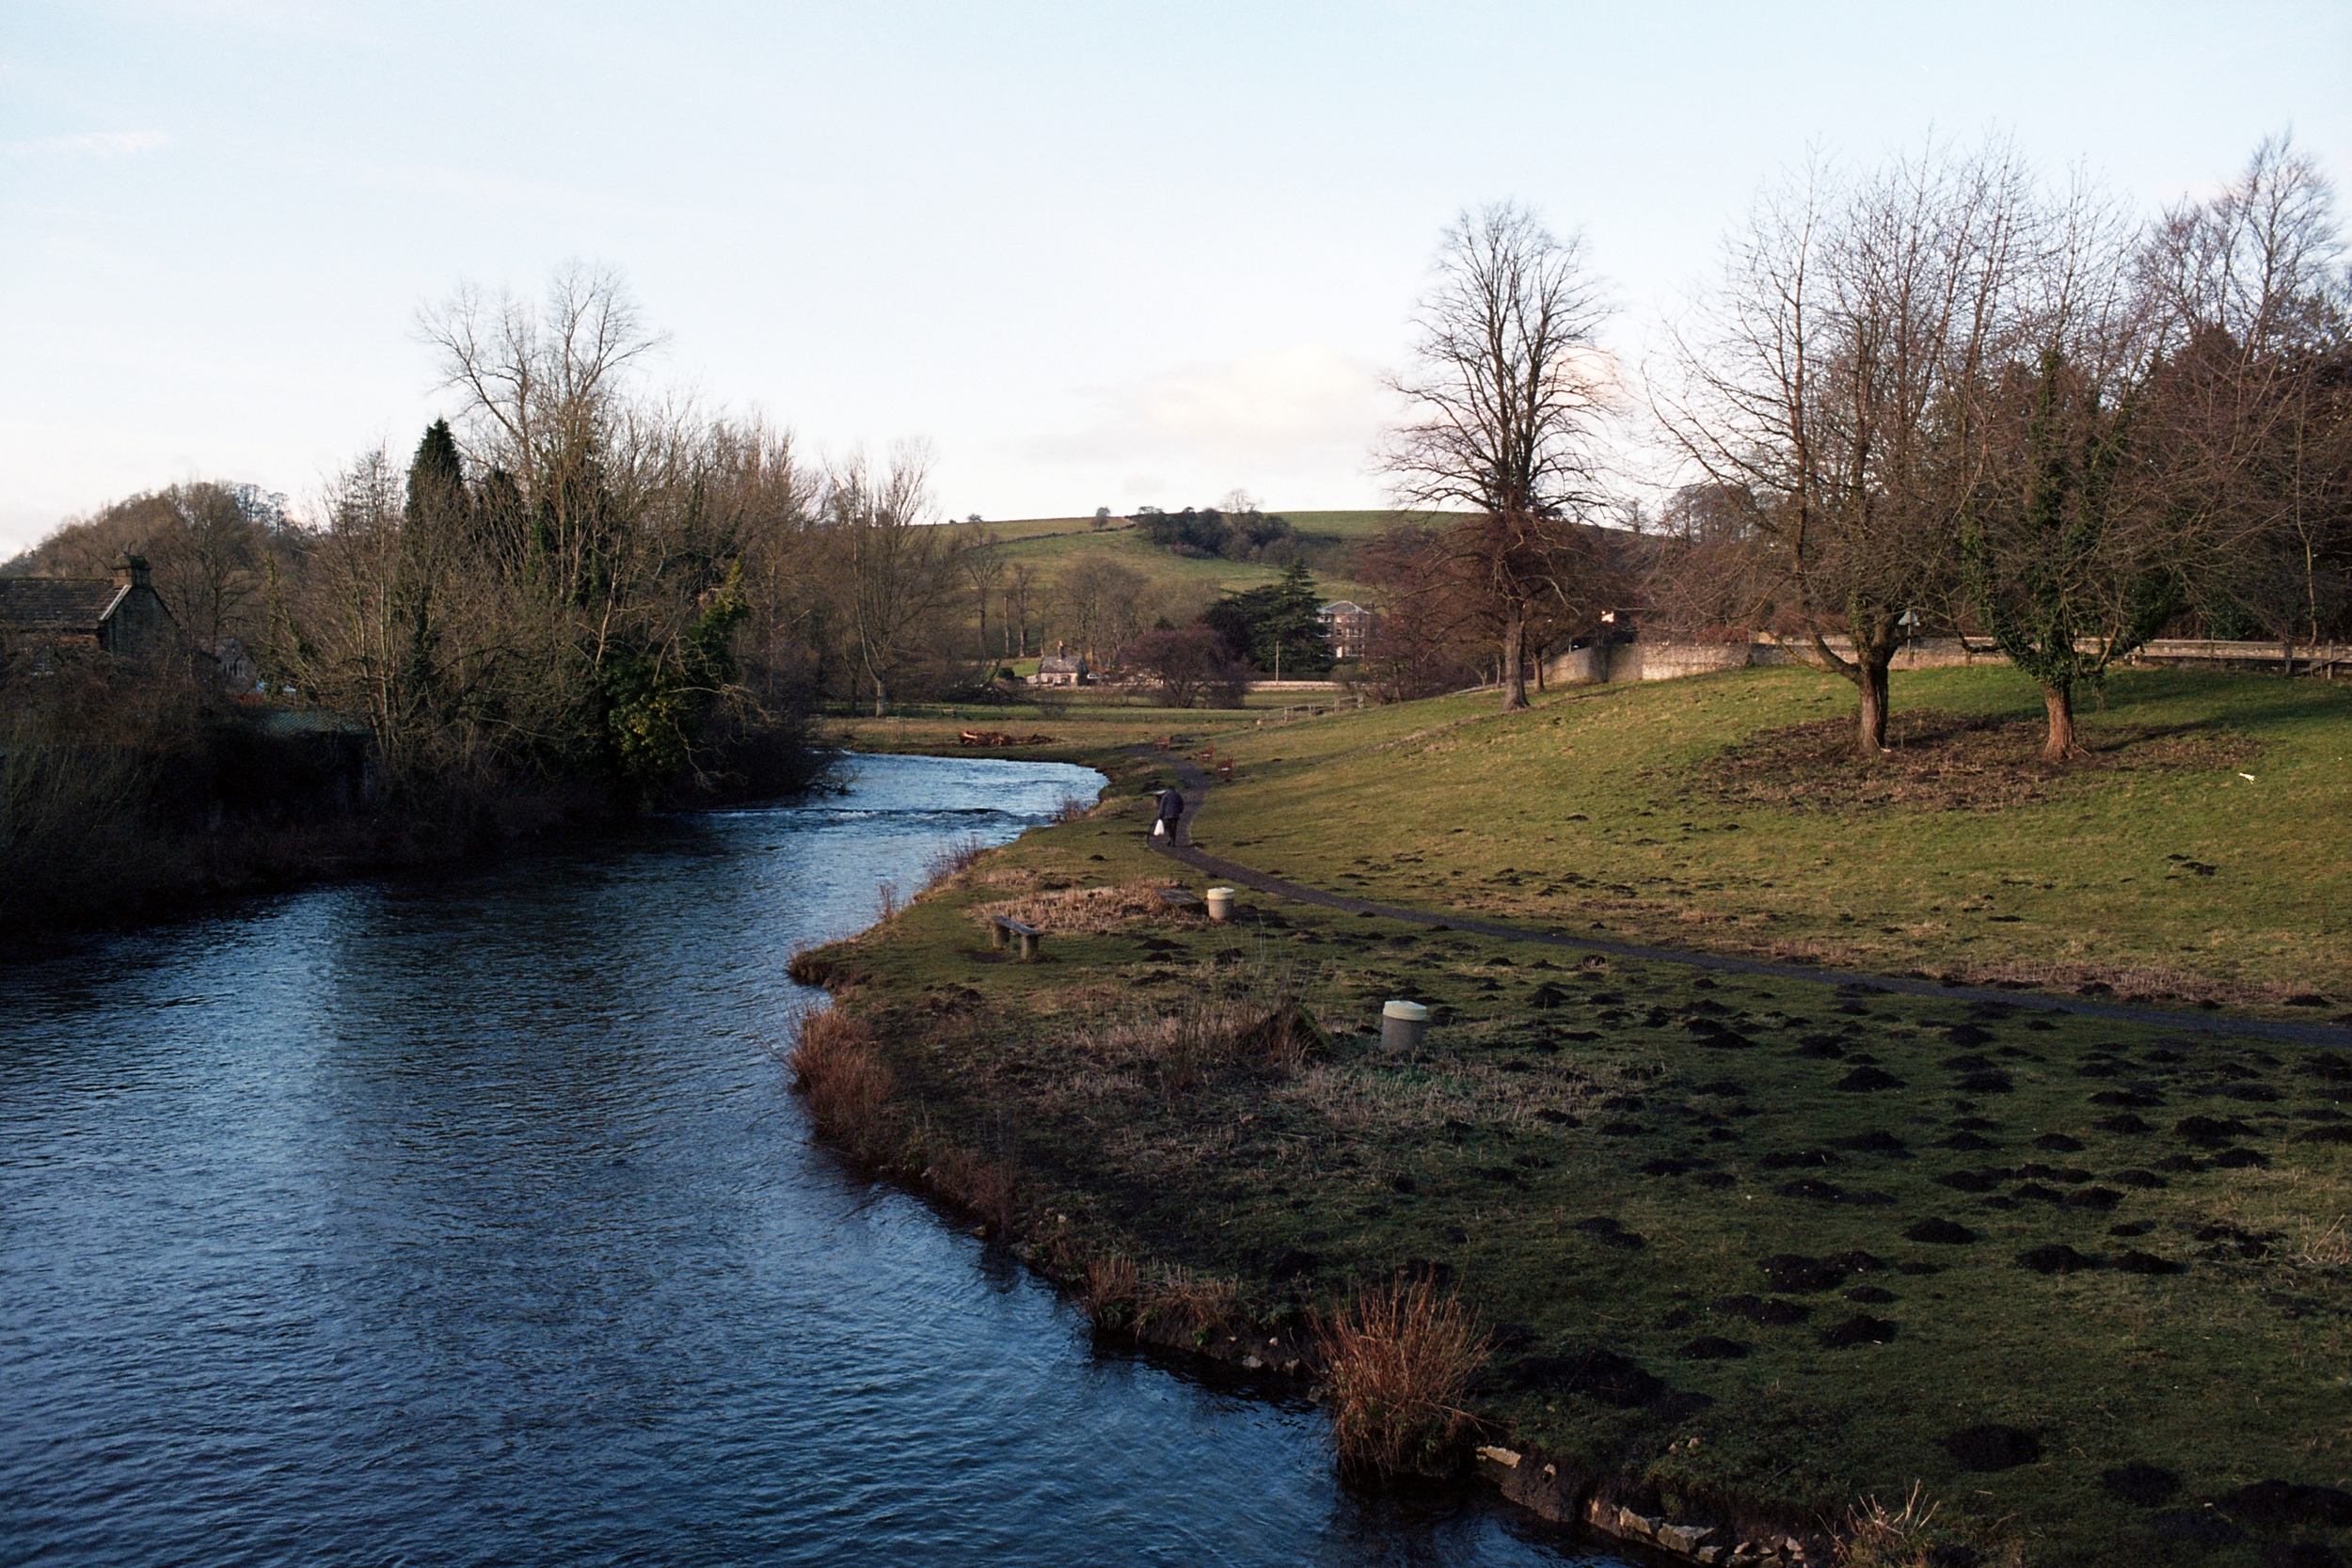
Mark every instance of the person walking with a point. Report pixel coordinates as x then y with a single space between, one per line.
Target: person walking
1171 812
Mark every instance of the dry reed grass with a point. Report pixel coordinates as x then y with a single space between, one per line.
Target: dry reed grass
1113 1292
1200 1302
976 1184
952 859
1397 1363
1084 910
836 1065
1208 1035
1875 1538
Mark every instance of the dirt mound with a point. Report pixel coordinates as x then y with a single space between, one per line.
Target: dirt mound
1712 1347
1867 1080
1600 1375
1944 761
1860 1329
2141 1483
1794 1275
2286 1502
2055 1259
1992 1446
1755 1309
1940 1233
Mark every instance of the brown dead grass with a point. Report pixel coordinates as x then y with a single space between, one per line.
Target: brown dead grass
1939 761
836 1065
976 1184
1398 1360
1202 1303
1087 910
1112 1293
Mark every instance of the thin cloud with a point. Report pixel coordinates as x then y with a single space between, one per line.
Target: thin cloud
89 143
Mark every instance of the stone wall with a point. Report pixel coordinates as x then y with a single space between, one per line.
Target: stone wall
1664 661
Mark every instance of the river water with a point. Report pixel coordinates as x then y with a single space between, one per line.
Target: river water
469 1221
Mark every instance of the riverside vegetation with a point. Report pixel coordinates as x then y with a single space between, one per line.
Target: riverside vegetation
1902 1278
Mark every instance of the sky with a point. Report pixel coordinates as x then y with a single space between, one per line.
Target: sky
1103 255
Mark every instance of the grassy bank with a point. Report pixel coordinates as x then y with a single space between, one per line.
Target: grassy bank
1685 814
1752 1250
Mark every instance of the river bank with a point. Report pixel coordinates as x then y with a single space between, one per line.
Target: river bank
469 1219
1755 1252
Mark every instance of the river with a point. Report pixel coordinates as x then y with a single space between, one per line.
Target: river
469 1220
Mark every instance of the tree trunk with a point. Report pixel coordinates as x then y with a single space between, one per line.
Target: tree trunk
1870 680
2060 703
1514 663
881 700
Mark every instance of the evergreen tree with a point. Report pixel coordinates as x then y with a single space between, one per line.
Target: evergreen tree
1276 626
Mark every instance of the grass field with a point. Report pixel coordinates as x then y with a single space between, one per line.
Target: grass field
1758 1247
2158 869
1051 544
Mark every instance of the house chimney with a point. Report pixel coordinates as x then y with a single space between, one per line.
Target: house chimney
130 570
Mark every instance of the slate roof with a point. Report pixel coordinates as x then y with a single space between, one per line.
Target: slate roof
57 604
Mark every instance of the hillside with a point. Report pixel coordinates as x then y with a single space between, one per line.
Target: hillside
1051 543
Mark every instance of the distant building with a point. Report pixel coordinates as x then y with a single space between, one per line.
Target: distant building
1060 668
123 615
1348 628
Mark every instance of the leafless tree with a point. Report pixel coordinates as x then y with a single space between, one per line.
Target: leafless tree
1508 391
1830 391
904 569
1098 605
2252 402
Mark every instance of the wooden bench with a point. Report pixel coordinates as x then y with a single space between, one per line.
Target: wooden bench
1000 927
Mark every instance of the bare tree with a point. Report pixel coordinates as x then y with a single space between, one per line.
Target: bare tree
983 568
1508 391
1099 603
2253 401
1831 393
1020 583
902 568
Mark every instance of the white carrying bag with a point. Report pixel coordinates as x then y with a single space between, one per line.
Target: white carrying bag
1159 829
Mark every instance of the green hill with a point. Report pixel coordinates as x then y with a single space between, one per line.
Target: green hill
1053 543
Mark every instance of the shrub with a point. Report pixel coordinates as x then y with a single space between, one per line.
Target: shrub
1397 1363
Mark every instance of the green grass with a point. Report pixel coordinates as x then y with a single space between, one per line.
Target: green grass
1684 1110
1304 1187
1596 810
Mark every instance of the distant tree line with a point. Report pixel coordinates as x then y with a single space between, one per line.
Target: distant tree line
1242 534
1934 396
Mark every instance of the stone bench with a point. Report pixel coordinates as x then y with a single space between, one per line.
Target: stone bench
999 928
1177 898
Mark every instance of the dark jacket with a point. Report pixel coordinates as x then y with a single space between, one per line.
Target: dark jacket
1172 806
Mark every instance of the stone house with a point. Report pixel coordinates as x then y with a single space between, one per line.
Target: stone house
123 615
1060 668
1347 628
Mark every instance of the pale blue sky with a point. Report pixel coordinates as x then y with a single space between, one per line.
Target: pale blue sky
1103 255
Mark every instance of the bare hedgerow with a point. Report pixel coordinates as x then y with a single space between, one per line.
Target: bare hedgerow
1398 1362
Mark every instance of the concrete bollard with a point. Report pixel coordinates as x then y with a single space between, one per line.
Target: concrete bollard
1402 1025
1220 903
